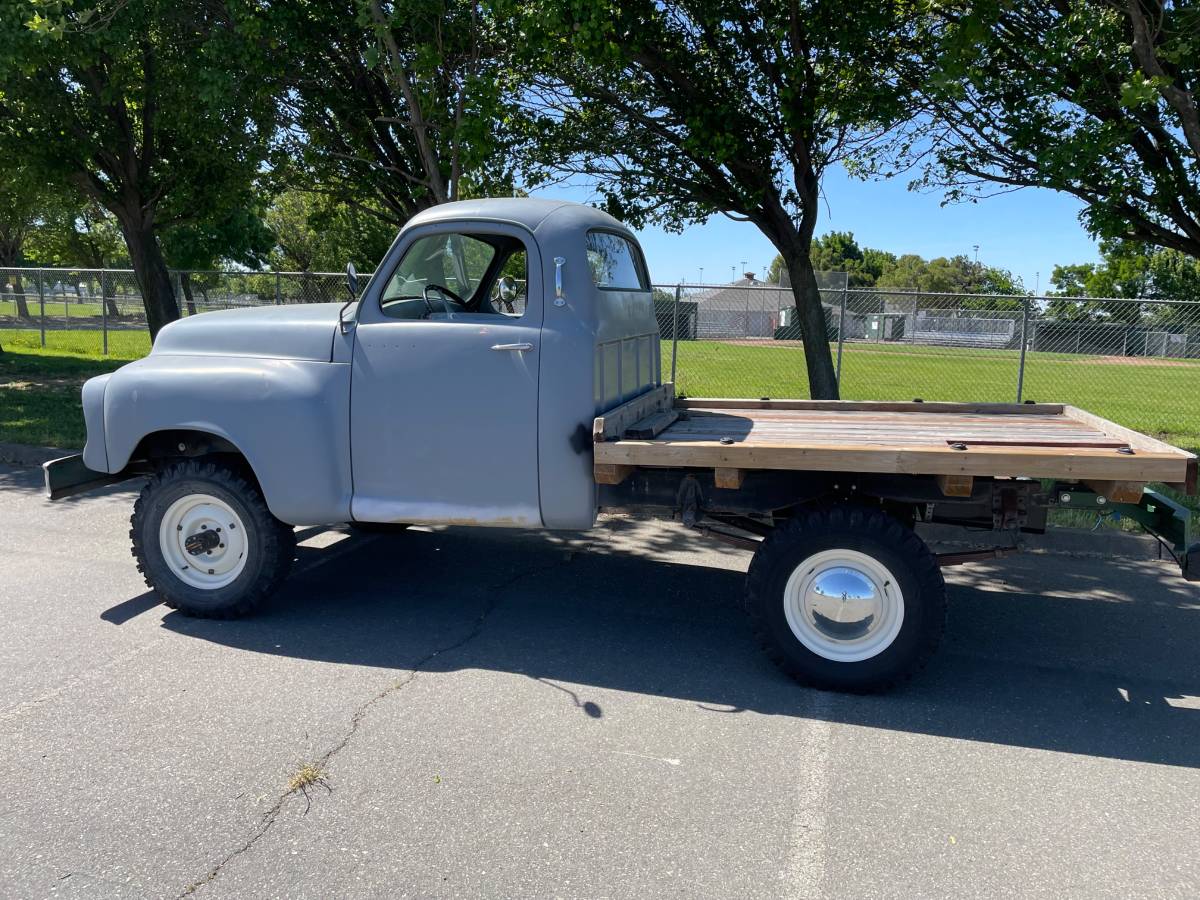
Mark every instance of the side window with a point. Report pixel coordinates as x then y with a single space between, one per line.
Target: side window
455 262
616 263
446 274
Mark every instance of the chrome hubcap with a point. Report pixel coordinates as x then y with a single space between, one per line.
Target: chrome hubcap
203 540
844 605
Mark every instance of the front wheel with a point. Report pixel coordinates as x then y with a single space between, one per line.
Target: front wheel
847 599
206 542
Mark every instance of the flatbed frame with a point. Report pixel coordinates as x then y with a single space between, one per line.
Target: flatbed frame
955 442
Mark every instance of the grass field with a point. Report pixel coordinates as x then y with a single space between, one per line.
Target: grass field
39 389
54 307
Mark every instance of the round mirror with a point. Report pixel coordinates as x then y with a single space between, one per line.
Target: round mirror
507 289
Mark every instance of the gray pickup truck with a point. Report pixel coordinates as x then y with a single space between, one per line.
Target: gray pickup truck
502 368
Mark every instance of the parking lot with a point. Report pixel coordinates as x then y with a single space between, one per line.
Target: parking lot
486 713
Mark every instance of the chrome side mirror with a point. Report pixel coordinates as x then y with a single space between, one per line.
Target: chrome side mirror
507 289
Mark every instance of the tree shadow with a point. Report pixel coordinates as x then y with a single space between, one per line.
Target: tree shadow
1094 670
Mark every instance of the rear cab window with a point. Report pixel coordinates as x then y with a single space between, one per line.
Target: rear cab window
616 262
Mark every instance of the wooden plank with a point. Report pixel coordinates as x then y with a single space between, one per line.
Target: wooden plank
611 473
1031 462
727 478
1140 443
1134 439
955 485
1029 409
1118 491
614 422
652 426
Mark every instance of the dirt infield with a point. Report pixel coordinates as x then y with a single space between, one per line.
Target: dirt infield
1140 361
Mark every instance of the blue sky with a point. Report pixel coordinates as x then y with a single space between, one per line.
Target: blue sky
1027 231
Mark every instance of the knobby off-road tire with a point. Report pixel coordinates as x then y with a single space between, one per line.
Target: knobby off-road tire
846 599
206 542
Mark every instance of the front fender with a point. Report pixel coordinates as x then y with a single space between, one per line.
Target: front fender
289 418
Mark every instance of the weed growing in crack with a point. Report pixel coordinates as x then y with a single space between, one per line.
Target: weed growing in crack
307 776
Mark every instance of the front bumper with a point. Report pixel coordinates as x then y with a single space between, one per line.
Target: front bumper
68 476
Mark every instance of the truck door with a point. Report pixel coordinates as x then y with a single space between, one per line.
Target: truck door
444 393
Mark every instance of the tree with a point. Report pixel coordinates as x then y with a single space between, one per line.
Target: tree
395 106
1095 98
159 112
838 251
682 109
71 237
85 238
22 199
1128 271
315 233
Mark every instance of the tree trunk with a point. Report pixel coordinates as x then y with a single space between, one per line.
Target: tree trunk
152 275
19 297
185 281
108 294
12 258
822 380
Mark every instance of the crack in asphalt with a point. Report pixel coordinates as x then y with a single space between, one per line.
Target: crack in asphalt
271 815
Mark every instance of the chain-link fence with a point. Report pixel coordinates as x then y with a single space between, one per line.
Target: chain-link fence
106 304
1134 361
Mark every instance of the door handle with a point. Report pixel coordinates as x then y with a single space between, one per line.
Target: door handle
524 345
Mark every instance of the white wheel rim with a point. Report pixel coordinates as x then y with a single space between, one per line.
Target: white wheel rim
843 605
203 541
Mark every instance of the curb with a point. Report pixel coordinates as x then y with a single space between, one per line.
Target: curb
1056 541
29 454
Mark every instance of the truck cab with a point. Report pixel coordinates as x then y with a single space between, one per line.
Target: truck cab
490 337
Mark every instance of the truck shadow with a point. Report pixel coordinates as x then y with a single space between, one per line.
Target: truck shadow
1104 668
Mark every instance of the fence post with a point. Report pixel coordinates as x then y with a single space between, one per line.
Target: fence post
1024 334
837 376
41 307
675 330
103 316
278 291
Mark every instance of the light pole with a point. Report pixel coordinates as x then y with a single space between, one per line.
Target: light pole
702 274
732 274
976 246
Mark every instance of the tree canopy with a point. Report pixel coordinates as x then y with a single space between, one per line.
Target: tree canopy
394 107
155 111
1094 98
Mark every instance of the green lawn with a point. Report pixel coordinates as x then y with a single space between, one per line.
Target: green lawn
39 389
54 307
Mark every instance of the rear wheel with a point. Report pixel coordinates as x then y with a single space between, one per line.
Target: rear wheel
206 542
847 599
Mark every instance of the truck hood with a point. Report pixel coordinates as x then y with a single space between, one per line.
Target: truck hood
296 331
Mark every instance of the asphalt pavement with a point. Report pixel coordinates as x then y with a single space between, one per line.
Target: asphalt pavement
511 714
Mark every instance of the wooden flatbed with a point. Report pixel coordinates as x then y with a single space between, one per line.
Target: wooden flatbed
954 441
